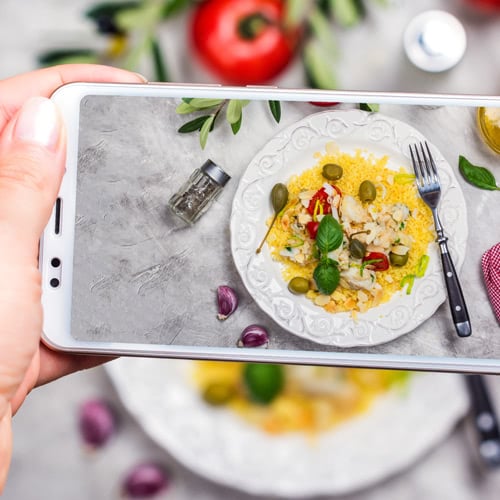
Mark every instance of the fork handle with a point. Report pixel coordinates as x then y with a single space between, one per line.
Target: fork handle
455 296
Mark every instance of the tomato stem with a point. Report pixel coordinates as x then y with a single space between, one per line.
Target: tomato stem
250 27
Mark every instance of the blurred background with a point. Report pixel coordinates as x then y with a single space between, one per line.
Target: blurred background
344 44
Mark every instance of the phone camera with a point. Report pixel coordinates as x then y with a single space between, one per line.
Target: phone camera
55 262
54 282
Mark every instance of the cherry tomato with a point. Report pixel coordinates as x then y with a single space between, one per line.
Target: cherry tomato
323 104
378 261
321 196
312 229
243 41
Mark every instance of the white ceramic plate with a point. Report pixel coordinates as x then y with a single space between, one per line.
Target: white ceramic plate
219 445
291 152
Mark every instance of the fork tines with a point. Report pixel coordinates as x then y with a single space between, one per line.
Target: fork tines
424 165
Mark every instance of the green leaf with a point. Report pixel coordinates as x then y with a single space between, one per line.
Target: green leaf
205 130
144 16
109 9
173 7
318 65
296 11
184 108
234 111
322 29
68 56
372 108
275 107
235 127
330 234
193 125
347 13
159 62
327 277
204 103
480 177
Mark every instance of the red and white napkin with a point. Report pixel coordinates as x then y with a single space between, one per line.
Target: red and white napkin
490 263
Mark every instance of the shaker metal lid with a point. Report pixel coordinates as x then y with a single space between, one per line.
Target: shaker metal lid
435 41
215 172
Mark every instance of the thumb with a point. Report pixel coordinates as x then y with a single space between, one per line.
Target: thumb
32 150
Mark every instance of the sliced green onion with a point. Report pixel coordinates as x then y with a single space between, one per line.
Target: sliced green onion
295 242
409 279
422 266
367 263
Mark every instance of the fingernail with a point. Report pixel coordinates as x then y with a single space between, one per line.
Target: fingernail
142 77
38 122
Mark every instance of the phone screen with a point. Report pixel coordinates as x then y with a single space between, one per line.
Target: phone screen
350 263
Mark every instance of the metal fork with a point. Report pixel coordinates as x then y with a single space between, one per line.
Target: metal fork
430 190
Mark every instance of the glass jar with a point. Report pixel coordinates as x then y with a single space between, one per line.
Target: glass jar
198 192
489 126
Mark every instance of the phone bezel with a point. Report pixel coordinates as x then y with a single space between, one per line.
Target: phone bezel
57 302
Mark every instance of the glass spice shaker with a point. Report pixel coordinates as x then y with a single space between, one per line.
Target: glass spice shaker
199 191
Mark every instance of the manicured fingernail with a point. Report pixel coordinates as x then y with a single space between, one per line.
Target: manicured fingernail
38 122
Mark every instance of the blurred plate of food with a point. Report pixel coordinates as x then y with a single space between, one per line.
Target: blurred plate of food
289 431
352 231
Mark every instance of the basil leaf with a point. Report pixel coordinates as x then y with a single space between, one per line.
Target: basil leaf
327 277
480 177
205 130
329 235
193 125
275 107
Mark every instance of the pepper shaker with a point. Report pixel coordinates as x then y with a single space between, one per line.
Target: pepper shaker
197 194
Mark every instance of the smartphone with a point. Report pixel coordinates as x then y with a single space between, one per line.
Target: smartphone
170 190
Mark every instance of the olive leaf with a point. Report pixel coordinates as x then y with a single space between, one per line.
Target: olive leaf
184 108
296 11
234 110
204 103
372 108
235 127
327 276
109 9
159 62
275 107
172 7
322 29
69 56
205 130
318 67
347 13
480 177
193 125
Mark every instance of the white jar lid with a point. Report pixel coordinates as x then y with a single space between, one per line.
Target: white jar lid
435 41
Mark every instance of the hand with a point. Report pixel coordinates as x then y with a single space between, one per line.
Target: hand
32 152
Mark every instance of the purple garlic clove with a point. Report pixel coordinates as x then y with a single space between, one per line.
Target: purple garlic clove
254 336
227 301
145 481
96 422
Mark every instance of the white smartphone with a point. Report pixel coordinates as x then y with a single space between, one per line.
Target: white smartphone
170 190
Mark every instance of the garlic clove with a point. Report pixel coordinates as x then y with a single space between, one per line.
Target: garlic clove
97 422
254 336
227 301
145 481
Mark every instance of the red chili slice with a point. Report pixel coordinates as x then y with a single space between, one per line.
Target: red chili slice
312 229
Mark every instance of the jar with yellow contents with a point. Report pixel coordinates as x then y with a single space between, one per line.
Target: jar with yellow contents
489 127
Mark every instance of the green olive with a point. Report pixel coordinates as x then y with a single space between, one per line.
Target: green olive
218 393
332 171
398 260
357 249
367 191
298 285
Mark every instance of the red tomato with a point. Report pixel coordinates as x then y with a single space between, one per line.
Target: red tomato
322 196
243 41
381 262
485 5
312 229
323 104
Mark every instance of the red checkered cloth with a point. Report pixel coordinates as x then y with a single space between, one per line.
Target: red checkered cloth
490 263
